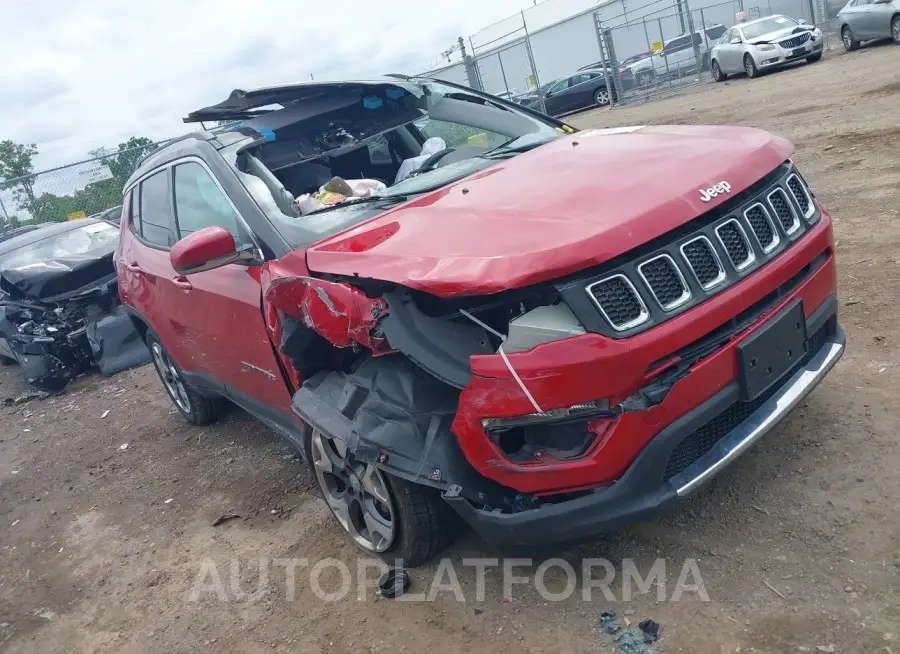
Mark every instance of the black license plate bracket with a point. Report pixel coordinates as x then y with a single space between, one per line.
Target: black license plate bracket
775 349
796 52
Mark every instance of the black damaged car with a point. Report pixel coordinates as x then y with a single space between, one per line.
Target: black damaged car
59 304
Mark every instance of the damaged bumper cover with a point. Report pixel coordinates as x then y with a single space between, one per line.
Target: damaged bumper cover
646 488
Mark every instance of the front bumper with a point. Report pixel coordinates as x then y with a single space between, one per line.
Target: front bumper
780 56
644 489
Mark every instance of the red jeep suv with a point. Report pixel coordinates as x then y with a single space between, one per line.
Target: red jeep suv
455 306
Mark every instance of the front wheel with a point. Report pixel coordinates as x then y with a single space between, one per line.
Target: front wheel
399 521
850 42
601 97
895 29
644 79
717 73
194 407
750 67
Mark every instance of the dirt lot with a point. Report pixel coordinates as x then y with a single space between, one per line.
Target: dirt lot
797 544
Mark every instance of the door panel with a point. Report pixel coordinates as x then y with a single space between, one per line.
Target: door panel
879 17
219 312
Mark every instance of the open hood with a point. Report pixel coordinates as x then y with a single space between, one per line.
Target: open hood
778 35
571 204
243 105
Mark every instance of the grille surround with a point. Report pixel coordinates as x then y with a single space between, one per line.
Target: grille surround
685 289
794 182
643 315
720 277
795 225
795 41
699 254
775 239
751 255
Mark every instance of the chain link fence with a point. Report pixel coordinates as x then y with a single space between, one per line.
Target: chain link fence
651 48
69 192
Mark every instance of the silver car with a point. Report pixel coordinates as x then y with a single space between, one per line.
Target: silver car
863 20
764 43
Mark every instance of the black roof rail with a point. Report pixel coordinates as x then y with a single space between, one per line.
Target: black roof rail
202 136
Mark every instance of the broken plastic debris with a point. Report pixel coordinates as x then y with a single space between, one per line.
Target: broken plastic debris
650 628
123 446
15 522
105 413
168 501
225 518
394 582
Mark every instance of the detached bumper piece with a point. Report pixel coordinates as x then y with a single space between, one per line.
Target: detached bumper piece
680 459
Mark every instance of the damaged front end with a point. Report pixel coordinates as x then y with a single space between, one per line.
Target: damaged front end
60 314
389 372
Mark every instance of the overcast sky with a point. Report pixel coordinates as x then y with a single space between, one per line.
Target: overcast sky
80 75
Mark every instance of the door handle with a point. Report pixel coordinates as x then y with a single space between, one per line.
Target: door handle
134 267
183 283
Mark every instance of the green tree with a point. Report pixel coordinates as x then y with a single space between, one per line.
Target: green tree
128 155
17 160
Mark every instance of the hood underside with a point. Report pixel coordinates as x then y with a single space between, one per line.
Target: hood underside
563 207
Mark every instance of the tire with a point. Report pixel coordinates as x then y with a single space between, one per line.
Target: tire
417 524
895 29
644 79
750 67
601 97
194 407
716 72
847 38
814 58
6 361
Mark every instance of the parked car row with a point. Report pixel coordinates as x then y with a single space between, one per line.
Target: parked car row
506 333
750 47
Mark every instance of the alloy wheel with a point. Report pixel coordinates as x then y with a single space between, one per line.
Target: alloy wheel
356 493
602 97
170 377
848 40
895 30
716 71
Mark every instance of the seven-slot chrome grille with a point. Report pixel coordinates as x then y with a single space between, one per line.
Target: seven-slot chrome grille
753 228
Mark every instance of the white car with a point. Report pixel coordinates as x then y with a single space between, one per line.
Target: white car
765 43
677 56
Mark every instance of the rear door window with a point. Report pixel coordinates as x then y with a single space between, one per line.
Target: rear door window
157 221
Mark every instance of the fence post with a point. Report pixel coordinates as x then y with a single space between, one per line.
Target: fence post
537 80
693 33
502 70
5 215
469 65
601 41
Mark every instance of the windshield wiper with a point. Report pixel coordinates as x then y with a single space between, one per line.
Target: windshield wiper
504 152
357 201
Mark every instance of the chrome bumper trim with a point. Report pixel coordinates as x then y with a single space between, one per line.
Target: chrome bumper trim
767 416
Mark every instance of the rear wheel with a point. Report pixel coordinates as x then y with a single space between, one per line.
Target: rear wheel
895 29
397 520
850 42
750 67
194 407
601 97
717 73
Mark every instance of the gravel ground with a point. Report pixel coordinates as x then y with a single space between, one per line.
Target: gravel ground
102 545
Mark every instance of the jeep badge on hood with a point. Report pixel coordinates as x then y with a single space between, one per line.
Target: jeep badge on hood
707 194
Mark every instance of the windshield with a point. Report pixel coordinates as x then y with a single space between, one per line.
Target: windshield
331 169
96 239
767 25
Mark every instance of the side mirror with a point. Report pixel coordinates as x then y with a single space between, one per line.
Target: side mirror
735 40
802 21
208 248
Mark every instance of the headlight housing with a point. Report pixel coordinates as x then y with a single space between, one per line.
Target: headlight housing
765 47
